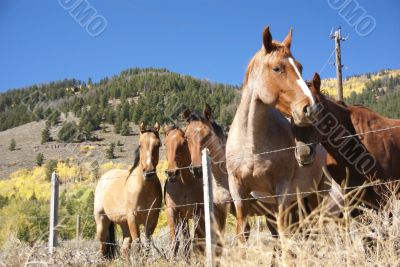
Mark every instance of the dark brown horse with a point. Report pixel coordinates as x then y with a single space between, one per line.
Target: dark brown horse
182 190
359 139
130 198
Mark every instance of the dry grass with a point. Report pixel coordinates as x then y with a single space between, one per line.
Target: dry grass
372 239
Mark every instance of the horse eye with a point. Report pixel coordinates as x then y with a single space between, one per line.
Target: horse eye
277 69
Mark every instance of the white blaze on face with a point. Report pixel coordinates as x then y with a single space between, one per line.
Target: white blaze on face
302 83
149 152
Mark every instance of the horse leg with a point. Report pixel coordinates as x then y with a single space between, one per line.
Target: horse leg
172 223
239 192
199 233
149 230
102 224
134 230
126 245
220 213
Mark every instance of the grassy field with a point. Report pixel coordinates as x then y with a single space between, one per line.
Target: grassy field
372 239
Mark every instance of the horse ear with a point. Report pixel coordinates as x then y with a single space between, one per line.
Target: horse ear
207 112
288 39
186 114
142 127
157 127
316 82
267 40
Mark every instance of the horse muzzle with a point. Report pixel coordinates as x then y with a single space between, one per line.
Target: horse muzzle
196 171
307 116
305 154
149 175
172 176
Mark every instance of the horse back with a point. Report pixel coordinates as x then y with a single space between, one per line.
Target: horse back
380 137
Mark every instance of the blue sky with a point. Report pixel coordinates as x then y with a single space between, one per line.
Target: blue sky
41 41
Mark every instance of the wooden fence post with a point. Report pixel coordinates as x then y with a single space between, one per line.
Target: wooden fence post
78 227
53 212
208 208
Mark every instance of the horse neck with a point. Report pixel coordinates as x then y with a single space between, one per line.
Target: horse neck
218 159
184 162
259 121
343 116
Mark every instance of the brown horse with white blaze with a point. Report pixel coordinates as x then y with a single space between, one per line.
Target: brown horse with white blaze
182 190
130 198
273 85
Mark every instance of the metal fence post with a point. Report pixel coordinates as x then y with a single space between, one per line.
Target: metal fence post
208 208
53 212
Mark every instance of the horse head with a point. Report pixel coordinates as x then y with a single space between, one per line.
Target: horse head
177 152
274 77
202 132
149 144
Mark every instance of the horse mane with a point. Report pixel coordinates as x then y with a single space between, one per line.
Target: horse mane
136 160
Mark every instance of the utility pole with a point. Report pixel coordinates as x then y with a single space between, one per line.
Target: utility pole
338 37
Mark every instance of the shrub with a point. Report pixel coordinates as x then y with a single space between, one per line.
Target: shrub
50 168
12 145
39 159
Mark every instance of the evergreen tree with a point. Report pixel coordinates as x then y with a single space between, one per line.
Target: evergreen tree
68 132
39 159
50 168
46 137
110 151
125 128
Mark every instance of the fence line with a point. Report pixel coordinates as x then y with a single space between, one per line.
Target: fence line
227 201
261 153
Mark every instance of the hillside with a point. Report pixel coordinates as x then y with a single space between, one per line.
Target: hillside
108 111
356 84
147 95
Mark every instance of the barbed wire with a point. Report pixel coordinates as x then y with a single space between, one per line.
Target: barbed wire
276 150
221 202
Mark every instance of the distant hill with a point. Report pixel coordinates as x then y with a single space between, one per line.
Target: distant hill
135 94
151 95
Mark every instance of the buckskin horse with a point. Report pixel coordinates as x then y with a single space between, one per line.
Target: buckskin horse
182 191
359 139
130 198
273 85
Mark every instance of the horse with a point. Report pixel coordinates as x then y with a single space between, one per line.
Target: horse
181 190
203 132
359 140
130 198
273 87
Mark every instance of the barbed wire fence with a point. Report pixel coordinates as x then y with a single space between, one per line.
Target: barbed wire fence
53 215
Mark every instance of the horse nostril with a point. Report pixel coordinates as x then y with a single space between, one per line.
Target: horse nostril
307 110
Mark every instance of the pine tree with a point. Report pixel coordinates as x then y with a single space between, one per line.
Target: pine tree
110 151
46 137
125 128
39 159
